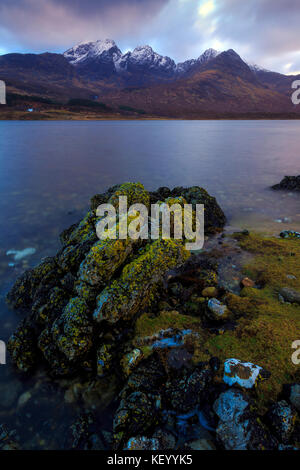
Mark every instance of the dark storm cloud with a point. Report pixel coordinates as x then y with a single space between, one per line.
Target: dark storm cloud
40 24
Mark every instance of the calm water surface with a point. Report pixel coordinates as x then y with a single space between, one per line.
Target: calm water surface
49 170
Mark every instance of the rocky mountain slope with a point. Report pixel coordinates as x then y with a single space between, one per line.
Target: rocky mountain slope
215 82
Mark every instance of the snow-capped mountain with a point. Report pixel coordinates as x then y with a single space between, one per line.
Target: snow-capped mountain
88 51
144 57
256 68
104 57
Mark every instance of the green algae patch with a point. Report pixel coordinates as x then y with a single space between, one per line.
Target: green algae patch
267 327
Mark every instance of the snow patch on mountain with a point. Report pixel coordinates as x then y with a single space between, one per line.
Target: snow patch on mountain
256 68
185 67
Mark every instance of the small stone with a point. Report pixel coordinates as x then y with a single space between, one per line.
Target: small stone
217 311
290 295
209 292
24 398
142 443
247 282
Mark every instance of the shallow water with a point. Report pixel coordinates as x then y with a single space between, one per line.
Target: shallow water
49 170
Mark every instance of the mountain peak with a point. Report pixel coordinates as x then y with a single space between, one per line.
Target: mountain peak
91 50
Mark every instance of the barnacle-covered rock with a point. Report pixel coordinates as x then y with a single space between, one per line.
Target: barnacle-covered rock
138 281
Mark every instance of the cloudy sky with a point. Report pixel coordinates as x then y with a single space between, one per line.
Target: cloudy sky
266 32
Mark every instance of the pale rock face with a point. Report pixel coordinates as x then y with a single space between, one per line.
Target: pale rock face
244 374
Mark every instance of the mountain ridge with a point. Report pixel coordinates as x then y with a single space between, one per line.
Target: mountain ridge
215 82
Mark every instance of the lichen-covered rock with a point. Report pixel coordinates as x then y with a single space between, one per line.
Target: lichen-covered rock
282 419
135 193
138 281
244 374
135 415
72 331
115 279
239 428
214 218
186 392
22 293
22 347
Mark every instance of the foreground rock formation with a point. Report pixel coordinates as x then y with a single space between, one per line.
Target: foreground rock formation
150 327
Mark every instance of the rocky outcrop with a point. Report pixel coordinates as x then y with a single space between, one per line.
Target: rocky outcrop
91 285
289 183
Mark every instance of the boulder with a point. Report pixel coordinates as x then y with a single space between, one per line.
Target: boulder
290 295
289 183
244 374
282 420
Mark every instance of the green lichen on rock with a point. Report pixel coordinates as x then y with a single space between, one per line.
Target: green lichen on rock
22 347
72 331
117 277
135 193
136 286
